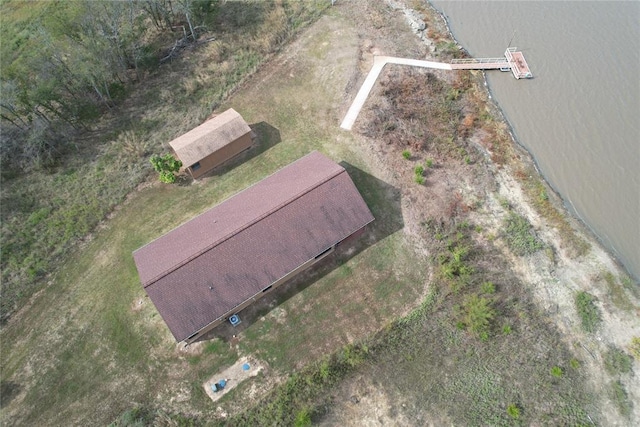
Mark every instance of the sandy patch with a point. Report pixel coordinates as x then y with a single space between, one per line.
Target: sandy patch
233 375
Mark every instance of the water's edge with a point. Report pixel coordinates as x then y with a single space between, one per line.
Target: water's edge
570 209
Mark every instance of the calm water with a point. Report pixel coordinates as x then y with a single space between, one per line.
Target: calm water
580 115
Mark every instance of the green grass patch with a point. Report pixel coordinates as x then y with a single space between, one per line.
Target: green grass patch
290 403
589 313
616 361
520 236
618 293
634 347
621 398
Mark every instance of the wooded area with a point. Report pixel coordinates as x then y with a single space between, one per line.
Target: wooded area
65 62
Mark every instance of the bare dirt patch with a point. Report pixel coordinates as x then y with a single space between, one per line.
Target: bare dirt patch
243 369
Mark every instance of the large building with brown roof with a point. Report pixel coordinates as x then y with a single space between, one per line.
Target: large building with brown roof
214 265
213 142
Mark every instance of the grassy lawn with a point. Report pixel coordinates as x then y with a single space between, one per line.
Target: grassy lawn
90 345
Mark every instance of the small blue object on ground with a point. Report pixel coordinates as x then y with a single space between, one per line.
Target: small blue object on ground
234 320
218 386
245 367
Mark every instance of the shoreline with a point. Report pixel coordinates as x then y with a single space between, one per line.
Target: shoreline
557 276
569 210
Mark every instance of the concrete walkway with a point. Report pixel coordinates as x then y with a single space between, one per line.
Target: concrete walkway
378 64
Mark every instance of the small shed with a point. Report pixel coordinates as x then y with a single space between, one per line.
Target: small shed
216 264
213 142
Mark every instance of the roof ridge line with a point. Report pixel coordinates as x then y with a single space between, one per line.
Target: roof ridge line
244 227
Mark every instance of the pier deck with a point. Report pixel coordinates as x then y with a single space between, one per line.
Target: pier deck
480 64
519 66
513 60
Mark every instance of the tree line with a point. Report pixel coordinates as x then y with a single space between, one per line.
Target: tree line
69 61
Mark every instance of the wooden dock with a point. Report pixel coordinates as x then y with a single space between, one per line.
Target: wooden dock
519 66
513 61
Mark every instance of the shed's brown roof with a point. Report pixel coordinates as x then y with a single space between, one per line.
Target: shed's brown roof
201 270
209 137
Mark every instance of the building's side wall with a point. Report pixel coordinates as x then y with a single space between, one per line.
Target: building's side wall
271 287
222 155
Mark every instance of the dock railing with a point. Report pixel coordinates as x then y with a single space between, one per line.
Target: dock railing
478 60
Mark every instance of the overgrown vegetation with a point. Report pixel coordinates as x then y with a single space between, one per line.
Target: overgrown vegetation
413 98
589 313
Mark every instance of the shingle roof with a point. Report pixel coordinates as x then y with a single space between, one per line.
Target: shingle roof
209 137
201 270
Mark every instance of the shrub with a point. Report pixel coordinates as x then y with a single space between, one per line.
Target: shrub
488 288
520 236
418 170
452 265
478 314
557 371
575 363
587 310
134 417
166 166
504 203
303 418
419 179
617 361
406 154
513 411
